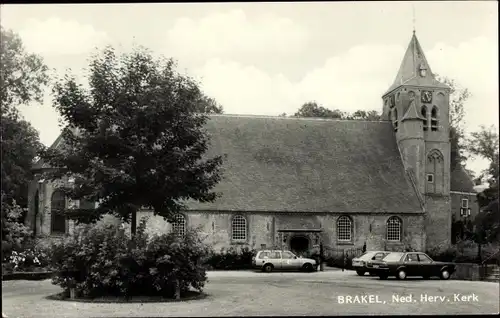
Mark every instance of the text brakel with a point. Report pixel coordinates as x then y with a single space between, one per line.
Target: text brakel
463 298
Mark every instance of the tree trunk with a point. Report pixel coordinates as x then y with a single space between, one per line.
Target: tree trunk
133 225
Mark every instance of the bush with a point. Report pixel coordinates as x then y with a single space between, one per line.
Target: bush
15 235
463 252
103 260
231 260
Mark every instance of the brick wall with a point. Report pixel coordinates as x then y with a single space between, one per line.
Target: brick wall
438 221
262 229
456 201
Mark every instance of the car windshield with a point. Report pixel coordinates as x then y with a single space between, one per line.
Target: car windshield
392 257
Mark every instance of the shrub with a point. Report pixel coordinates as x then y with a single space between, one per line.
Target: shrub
231 260
15 235
463 252
103 260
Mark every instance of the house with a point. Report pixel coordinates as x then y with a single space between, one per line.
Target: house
292 182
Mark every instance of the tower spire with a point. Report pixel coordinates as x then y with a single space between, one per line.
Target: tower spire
413 10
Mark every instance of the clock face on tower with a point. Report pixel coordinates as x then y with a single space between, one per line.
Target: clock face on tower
426 97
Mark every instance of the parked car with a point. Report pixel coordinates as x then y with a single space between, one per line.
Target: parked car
359 263
269 260
407 264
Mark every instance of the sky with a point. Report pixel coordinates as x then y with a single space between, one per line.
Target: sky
270 58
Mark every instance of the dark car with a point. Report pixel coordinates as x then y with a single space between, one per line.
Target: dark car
407 264
359 263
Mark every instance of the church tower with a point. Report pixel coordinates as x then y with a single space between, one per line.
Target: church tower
418 106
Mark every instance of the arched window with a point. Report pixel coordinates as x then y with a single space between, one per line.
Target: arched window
57 206
394 225
434 118
424 115
434 169
239 228
179 225
344 229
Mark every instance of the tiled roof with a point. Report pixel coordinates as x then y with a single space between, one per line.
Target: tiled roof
460 180
413 60
308 165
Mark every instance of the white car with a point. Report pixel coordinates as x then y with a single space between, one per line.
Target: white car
360 263
269 260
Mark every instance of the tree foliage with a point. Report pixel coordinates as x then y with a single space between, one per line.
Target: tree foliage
458 98
484 144
135 137
22 75
20 145
22 79
313 109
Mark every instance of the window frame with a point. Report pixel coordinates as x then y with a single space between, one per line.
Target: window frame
175 224
400 228
432 177
239 231
462 203
351 230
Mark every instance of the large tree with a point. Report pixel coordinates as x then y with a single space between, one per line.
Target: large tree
22 74
484 144
135 138
312 109
458 98
22 79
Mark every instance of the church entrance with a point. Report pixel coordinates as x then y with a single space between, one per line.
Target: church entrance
299 244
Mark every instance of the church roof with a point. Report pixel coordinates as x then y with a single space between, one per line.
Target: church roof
409 72
308 165
460 180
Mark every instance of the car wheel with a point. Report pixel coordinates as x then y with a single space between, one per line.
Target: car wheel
401 274
383 276
360 273
445 274
267 268
307 267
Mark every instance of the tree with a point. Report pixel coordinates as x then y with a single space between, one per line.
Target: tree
458 98
22 75
209 105
312 109
20 145
135 138
22 79
484 143
372 115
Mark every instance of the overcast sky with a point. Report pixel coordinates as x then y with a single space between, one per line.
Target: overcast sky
270 58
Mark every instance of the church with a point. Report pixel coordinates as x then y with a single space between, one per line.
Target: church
293 182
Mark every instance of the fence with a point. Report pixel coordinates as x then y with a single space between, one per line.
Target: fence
341 258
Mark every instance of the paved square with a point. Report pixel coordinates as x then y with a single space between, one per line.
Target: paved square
244 293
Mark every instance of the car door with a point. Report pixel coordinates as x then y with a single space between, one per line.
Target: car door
411 263
289 260
276 259
426 266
